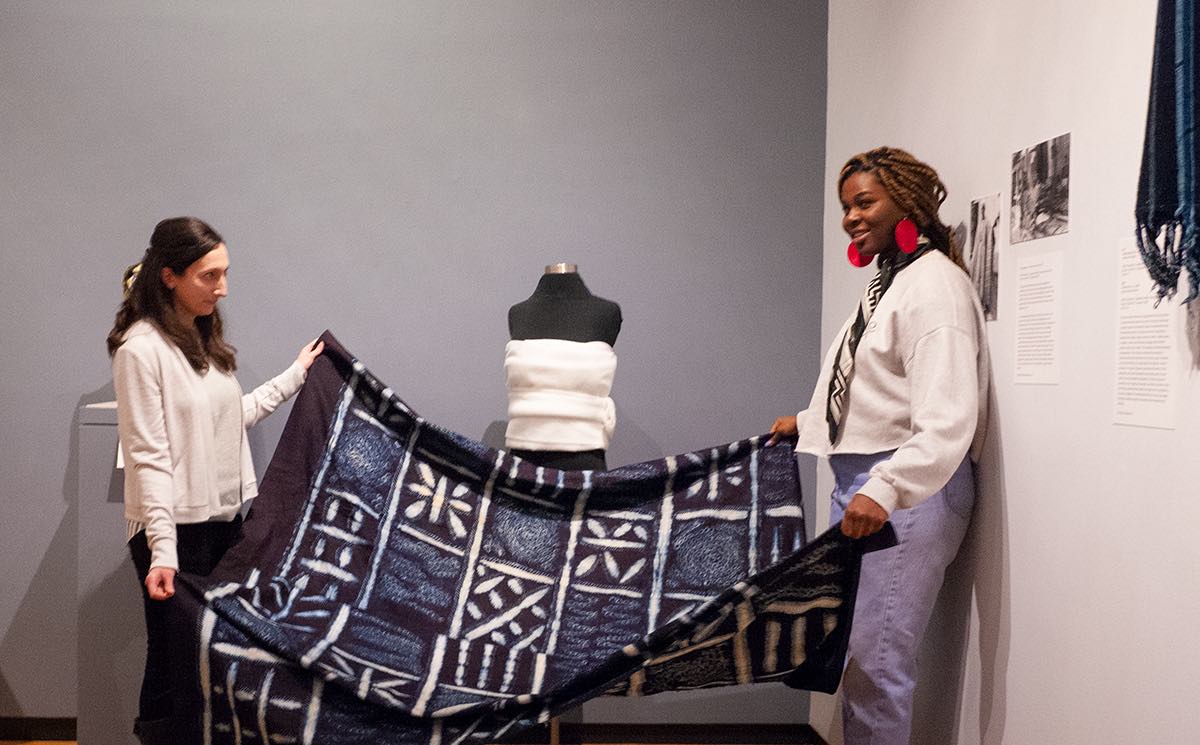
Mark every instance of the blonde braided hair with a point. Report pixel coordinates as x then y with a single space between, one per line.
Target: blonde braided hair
916 188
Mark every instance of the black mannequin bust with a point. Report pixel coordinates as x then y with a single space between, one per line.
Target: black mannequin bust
562 307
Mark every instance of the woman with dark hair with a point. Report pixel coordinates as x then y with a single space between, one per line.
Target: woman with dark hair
900 412
182 420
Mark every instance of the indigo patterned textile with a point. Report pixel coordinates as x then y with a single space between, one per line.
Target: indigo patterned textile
1168 212
400 583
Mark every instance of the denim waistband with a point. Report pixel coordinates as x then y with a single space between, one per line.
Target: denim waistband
848 467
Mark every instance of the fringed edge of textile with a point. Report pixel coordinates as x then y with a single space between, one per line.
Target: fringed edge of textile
1167 248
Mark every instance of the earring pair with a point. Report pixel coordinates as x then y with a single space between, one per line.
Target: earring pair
906 235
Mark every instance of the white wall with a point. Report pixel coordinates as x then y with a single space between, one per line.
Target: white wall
1070 616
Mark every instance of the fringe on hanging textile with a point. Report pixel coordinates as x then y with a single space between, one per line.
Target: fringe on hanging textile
1167 212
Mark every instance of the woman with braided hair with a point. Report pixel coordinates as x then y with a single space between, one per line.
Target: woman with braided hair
899 410
182 420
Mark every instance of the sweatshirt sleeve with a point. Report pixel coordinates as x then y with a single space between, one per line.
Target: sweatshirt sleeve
944 392
264 399
147 451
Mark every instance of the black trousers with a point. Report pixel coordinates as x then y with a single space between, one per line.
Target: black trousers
585 460
199 546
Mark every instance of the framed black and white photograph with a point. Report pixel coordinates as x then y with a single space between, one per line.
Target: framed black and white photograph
1040 187
981 253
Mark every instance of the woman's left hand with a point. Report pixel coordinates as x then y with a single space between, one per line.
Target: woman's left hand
863 517
310 352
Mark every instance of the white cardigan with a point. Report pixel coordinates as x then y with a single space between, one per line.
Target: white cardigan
919 387
166 431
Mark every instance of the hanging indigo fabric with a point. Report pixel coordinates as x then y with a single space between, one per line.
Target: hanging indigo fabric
400 583
1168 214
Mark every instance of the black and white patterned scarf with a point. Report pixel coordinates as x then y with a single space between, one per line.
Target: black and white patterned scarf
843 362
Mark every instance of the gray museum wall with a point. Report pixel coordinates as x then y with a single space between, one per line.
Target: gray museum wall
400 173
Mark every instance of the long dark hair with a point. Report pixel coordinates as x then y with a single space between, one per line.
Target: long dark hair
175 244
916 188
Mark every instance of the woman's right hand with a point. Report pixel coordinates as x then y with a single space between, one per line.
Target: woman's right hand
784 426
160 583
310 352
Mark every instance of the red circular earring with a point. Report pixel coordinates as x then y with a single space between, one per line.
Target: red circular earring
906 235
856 258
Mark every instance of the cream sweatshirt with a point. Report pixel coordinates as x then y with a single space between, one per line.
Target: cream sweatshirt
919 387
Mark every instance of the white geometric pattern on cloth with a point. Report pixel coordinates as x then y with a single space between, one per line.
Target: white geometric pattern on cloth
463 591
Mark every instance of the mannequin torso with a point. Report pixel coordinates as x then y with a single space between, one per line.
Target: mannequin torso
561 307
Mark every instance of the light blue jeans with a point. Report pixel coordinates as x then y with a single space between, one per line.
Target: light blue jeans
896 593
